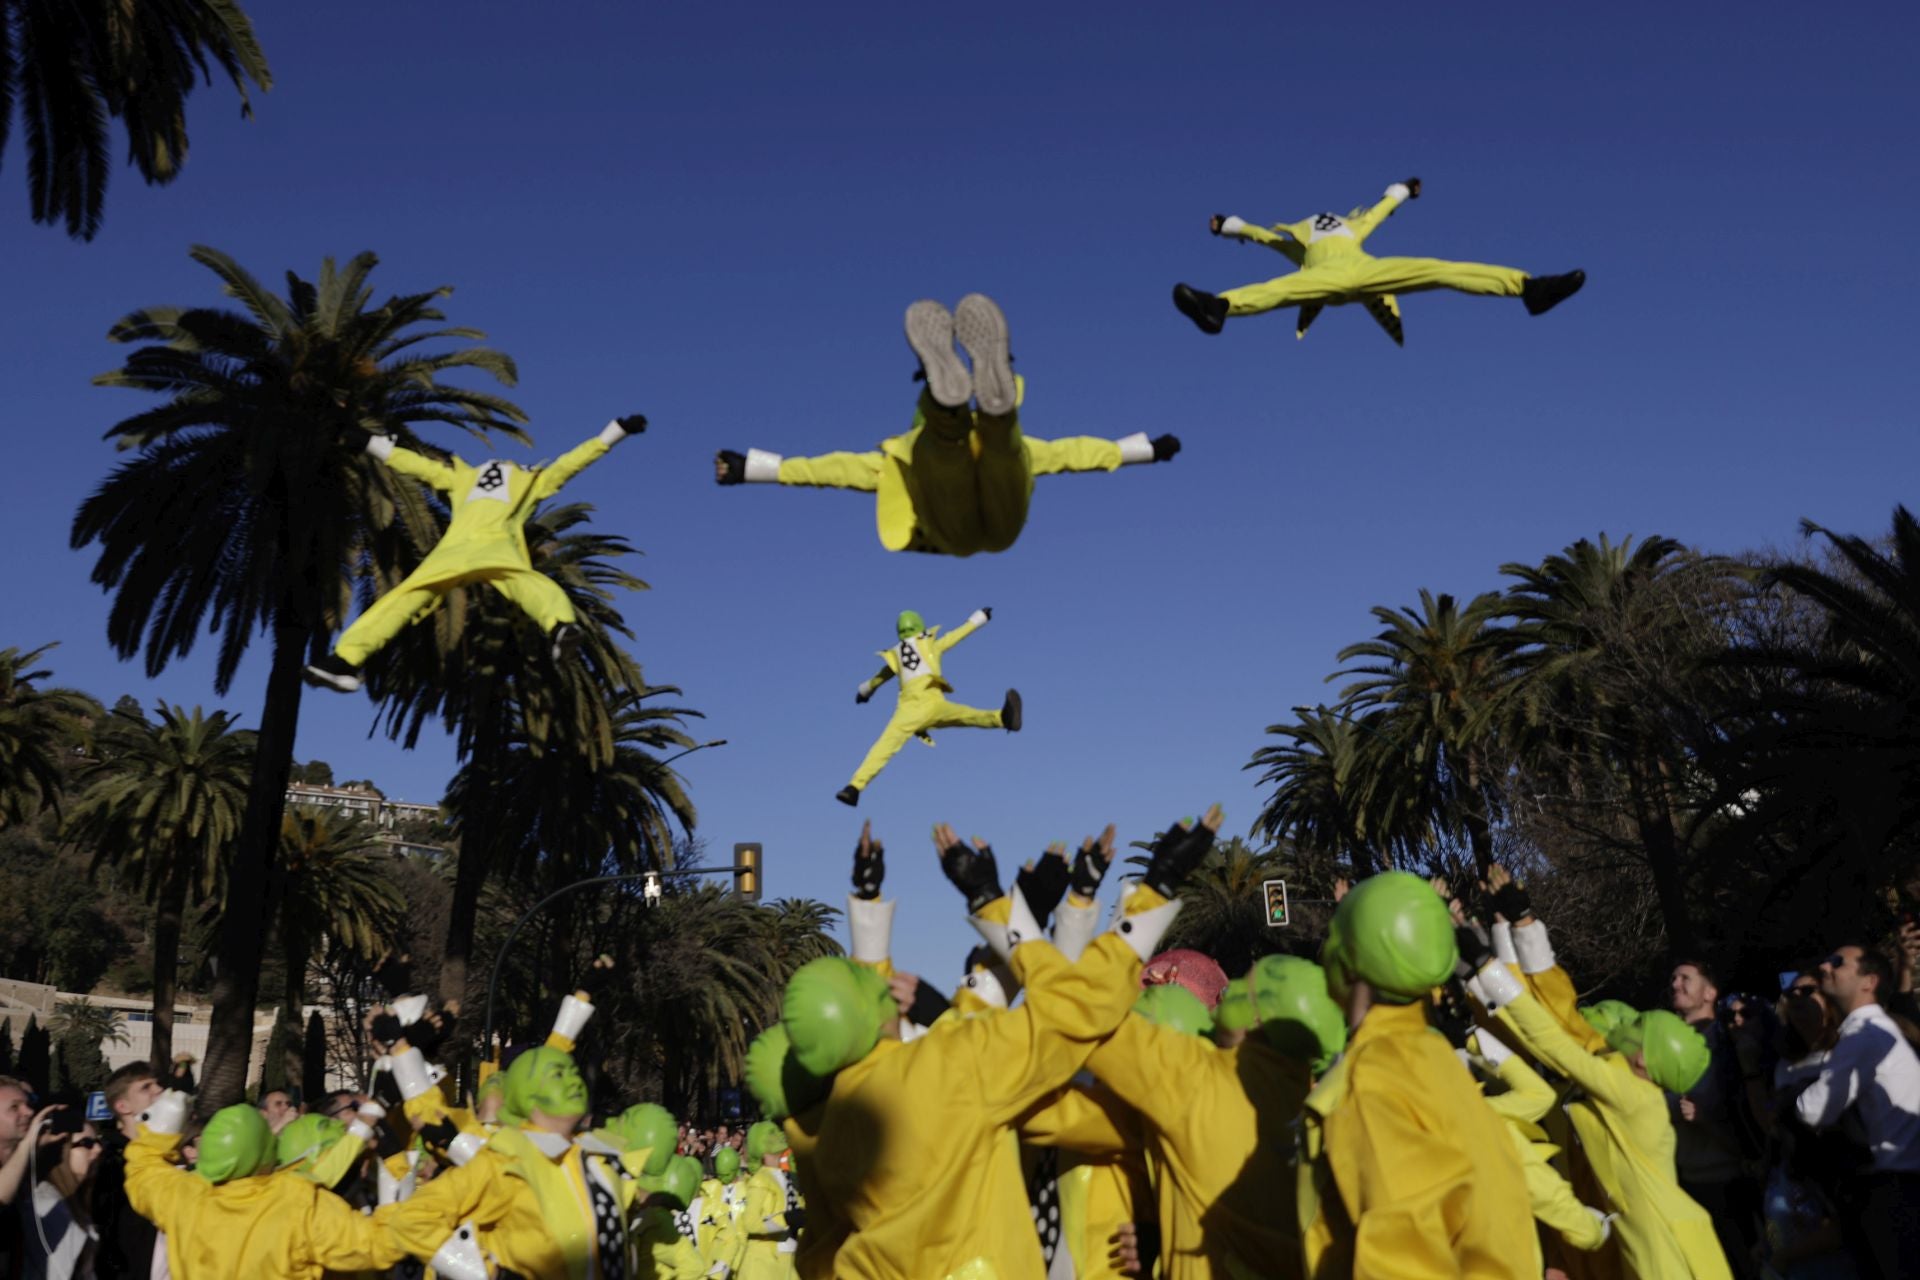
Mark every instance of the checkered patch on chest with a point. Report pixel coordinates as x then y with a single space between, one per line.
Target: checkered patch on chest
494 482
912 660
609 1226
1043 1195
1326 226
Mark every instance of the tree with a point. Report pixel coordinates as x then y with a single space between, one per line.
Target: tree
1338 790
39 729
333 892
164 804
247 509
36 1054
76 64
79 1028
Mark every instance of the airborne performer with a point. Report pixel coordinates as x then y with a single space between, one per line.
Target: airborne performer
923 705
485 541
960 481
1335 270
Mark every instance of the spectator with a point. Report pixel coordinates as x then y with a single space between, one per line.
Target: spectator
62 1240
277 1106
19 1133
1873 1073
127 1240
1802 1226
1713 1132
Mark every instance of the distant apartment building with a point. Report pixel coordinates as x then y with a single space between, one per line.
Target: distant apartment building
372 805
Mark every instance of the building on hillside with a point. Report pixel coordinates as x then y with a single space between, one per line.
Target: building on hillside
372 805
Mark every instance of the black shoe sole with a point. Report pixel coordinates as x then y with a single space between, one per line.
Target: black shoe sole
1010 712
1543 301
848 796
1193 305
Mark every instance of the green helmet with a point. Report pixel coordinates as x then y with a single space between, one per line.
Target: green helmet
909 624
1296 1015
544 1079
306 1138
1676 1055
648 1127
1392 932
679 1181
726 1164
765 1138
237 1143
776 1080
1174 1007
1604 1015
834 1010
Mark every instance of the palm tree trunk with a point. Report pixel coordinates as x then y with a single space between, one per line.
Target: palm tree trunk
169 913
1658 836
236 984
475 856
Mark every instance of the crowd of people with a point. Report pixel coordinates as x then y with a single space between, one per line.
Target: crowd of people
1429 1099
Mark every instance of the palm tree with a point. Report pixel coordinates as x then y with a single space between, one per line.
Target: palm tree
247 509
83 1021
1437 678
164 804
1224 913
39 729
75 64
1337 789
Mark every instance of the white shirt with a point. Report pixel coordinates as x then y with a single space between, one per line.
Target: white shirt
1871 1066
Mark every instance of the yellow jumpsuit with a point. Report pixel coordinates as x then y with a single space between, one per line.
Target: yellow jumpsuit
1405 1171
958 482
275 1227
770 1243
485 541
907 1141
1525 1103
1103 1171
661 1251
1627 1136
717 1214
923 706
1334 269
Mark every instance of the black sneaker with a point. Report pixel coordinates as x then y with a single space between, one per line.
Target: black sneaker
1010 712
1204 309
729 467
566 641
1543 293
334 672
848 795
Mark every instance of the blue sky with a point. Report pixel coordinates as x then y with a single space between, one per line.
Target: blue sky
716 214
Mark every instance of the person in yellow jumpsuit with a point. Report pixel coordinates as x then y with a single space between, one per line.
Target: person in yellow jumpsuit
663 1229
718 1209
923 705
909 1132
1405 1170
485 541
321 1149
772 1219
232 1216
959 481
1335 270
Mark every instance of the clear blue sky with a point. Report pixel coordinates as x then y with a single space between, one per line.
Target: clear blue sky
715 214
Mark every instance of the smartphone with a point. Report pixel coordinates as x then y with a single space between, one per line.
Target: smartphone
97 1109
65 1120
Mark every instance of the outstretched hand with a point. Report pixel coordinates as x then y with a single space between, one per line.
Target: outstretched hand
1413 188
1216 222
1044 883
729 467
1164 447
869 864
633 424
971 870
1179 850
1091 862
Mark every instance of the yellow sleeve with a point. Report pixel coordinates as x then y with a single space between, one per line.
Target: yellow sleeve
1363 226
1151 1068
333 1166
1548 1041
1528 1097
1283 240
1552 1200
341 1239
1410 1186
567 466
158 1190
1555 990
1019 1056
1093 1123
420 1224
834 471
956 635
418 466
765 1217
1074 453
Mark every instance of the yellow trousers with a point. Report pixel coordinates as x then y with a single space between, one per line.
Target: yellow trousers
920 711
1355 276
538 596
970 479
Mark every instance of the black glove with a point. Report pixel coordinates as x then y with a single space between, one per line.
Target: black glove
1511 901
1175 854
973 872
388 1140
1043 885
633 424
988 610
796 1219
598 978
1413 188
431 1031
439 1135
386 1027
395 975
928 1004
355 438
1089 869
733 467
981 957
1475 950
1453 1014
1164 447
869 868
1216 222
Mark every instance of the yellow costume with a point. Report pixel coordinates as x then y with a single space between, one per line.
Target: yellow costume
770 1242
1102 1177
923 705
1335 270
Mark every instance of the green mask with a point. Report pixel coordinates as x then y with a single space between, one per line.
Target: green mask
680 1181
726 1164
1176 1008
1676 1055
1297 1015
649 1127
306 1138
909 624
764 1139
1604 1015
543 1079
775 1077
834 1010
237 1143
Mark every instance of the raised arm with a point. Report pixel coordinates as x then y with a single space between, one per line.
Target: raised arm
581 456
415 466
1363 226
1283 240
1849 1069
1541 1034
157 1188
975 620
871 685
1091 453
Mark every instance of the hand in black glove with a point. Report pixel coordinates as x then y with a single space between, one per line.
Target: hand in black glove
598 978
633 424
1090 864
1510 901
987 609
1475 950
1216 222
972 871
1413 188
1164 447
355 437
439 1135
385 1027
796 1219
869 864
1044 883
924 1006
1177 852
394 973
729 467
432 1030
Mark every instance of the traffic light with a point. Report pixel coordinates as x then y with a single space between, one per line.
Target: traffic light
1276 891
746 871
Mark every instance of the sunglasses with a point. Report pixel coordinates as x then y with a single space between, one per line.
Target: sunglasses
83 1144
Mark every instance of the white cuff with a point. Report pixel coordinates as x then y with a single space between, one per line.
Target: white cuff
1142 930
762 467
611 434
978 618
866 688
1491 1047
1606 1223
465 1147
460 1257
1074 927
358 1128
1233 225
1536 952
1503 942
1496 987
1399 191
985 985
411 1073
380 447
572 1018
870 928
1135 448
1021 926
371 1112
166 1113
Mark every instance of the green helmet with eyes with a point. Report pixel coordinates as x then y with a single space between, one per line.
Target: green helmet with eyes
909 624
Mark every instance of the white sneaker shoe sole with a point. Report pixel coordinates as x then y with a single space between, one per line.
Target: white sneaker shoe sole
930 334
327 679
981 328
